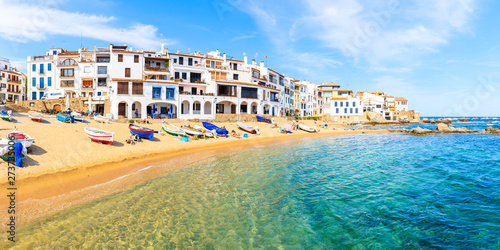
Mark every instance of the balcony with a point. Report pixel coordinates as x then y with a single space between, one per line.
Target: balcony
157 68
39 58
13 81
86 86
67 85
189 93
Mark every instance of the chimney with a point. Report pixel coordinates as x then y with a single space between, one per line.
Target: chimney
224 57
262 64
253 62
245 59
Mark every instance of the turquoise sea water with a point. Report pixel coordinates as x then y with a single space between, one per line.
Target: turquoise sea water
340 192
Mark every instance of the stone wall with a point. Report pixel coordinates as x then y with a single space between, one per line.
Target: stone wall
233 118
75 104
344 118
411 115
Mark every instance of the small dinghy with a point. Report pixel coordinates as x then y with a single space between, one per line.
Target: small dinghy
263 119
308 129
248 128
100 118
35 116
220 131
18 136
142 131
65 117
99 135
6 115
77 116
171 129
208 133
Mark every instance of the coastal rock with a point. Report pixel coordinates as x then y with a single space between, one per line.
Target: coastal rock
442 128
375 117
463 119
403 118
495 131
420 131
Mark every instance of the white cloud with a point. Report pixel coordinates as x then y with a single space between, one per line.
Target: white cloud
30 22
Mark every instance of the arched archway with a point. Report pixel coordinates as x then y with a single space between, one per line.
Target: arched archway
226 107
196 108
136 110
244 108
207 108
267 109
185 107
253 108
123 109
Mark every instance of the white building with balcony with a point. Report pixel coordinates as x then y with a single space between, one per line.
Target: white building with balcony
12 82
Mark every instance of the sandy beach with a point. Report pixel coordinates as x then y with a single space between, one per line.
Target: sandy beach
64 168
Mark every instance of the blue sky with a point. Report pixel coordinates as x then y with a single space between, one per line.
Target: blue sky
443 56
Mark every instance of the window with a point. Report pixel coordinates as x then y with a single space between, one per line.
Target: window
345 110
337 110
220 108
351 110
248 92
127 72
49 81
184 75
177 75
42 82
190 61
181 60
99 93
175 60
136 58
235 66
212 64
347 104
336 105
102 70
137 88
156 92
41 94
68 83
235 76
69 62
196 106
170 93
101 82
341 104
356 110
194 77
120 57
33 95
103 59
354 104
122 88
67 72
34 82
34 67
41 69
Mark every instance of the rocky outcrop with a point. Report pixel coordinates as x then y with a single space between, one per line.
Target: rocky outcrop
494 131
375 117
441 129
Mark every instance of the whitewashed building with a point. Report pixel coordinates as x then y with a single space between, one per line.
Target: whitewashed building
12 82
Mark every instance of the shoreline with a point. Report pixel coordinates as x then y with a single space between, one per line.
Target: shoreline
49 193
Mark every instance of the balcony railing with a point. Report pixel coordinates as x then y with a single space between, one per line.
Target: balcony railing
13 81
87 86
189 93
67 85
160 69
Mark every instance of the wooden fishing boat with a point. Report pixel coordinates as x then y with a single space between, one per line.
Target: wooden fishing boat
18 136
220 131
308 129
247 128
100 118
65 117
170 129
208 133
35 116
7 154
99 135
77 116
6 115
263 119
142 131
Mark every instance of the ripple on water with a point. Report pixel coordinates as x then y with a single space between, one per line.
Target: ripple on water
359 191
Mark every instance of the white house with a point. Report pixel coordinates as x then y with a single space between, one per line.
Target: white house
11 82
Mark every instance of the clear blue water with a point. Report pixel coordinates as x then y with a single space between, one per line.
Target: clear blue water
475 123
342 192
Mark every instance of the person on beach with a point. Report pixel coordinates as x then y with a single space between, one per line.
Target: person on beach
130 140
136 113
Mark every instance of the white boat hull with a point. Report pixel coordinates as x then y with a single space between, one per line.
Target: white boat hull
307 128
99 135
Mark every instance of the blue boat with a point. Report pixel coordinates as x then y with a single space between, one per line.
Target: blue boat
262 119
210 126
65 117
142 132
